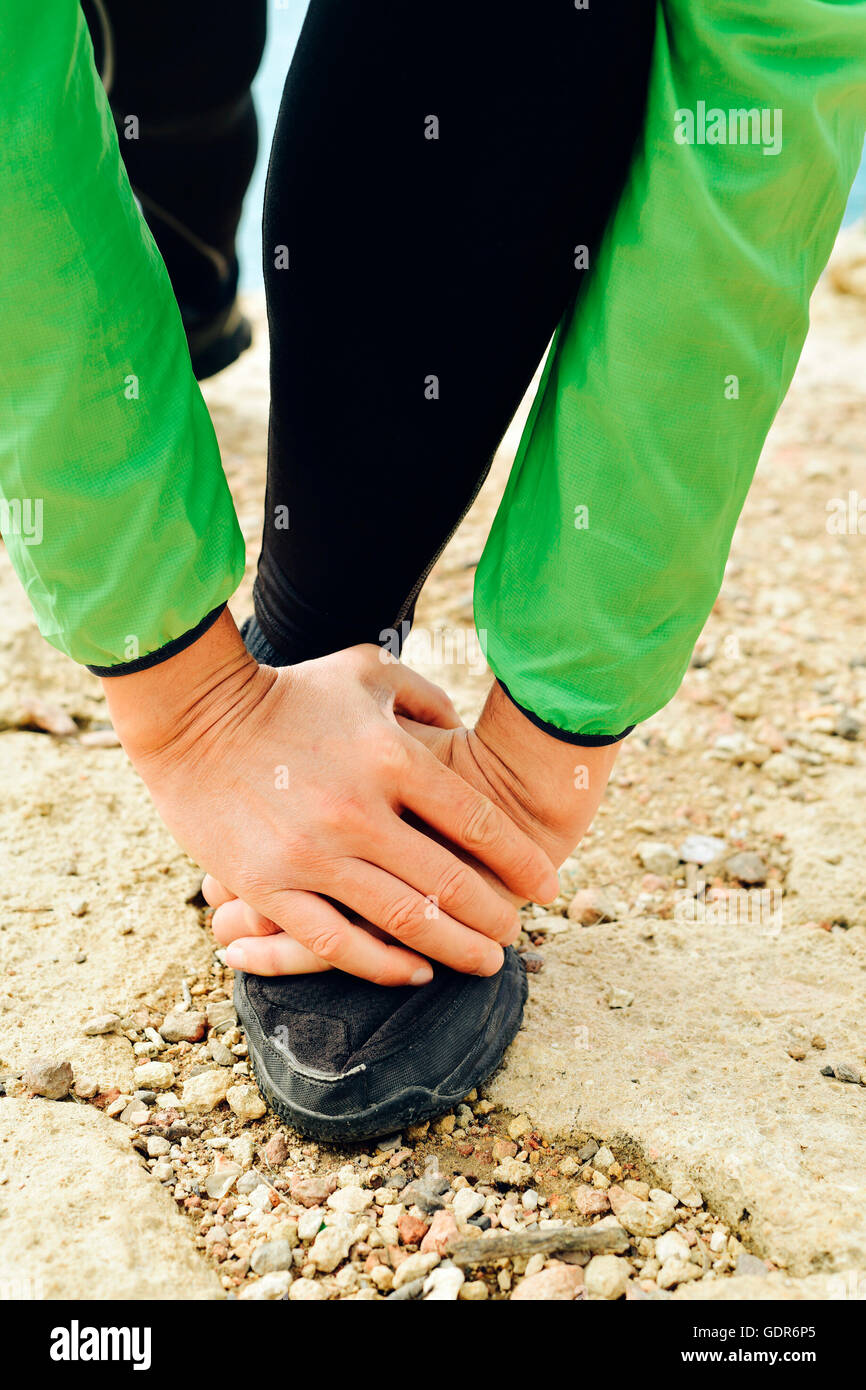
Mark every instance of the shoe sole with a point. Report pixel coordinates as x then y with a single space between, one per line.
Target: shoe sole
410 1105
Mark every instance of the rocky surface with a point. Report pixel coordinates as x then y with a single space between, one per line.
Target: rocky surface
80 1217
688 1082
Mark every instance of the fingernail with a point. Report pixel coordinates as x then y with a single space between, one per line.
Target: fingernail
236 957
551 889
423 975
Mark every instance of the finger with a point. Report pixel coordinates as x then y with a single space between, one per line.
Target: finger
273 955
445 880
235 919
417 922
328 934
436 739
448 803
214 893
417 697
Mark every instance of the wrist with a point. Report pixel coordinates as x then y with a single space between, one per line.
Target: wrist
560 784
175 701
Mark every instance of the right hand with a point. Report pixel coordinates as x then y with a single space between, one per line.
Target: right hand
288 787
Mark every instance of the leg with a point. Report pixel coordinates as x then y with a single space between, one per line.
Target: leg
409 258
416 252
178 74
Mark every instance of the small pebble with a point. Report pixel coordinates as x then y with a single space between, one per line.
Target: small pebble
271 1286
49 1078
512 1173
444 1284
606 1276
467 1204
351 1200
677 1271
846 1071
310 1191
305 1291
274 1255
560 1282
276 1151
309 1222
589 906
658 857
183 1027
100 1024
602 1158
747 866
206 1091
702 849
154 1076
847 725
415 1267
427 1193
246 1102
221 1014
473 1291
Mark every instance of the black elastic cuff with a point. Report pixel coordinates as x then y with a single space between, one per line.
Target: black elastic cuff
582 740
178 644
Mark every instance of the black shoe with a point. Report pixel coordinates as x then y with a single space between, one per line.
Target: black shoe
342 1059
217 341
205 285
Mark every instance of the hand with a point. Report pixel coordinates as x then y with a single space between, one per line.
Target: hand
548 787
288 787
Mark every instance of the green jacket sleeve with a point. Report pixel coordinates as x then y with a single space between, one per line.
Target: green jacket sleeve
113 502
610 544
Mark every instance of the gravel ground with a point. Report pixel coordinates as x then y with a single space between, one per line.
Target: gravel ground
405 1217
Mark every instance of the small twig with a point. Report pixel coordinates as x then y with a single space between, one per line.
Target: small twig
503 1245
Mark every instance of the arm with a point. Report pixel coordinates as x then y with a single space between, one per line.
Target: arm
105 440
664 380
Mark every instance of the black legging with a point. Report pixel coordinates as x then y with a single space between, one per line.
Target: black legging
433 171
182 69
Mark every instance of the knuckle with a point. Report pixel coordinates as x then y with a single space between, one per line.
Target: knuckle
257 885
391 753
338 811
364 662
355 656
511 931
454 884
297 850
401 917
325 942
528 864
480 825
507 925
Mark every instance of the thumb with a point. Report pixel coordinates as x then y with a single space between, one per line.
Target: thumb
420 699
438 740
